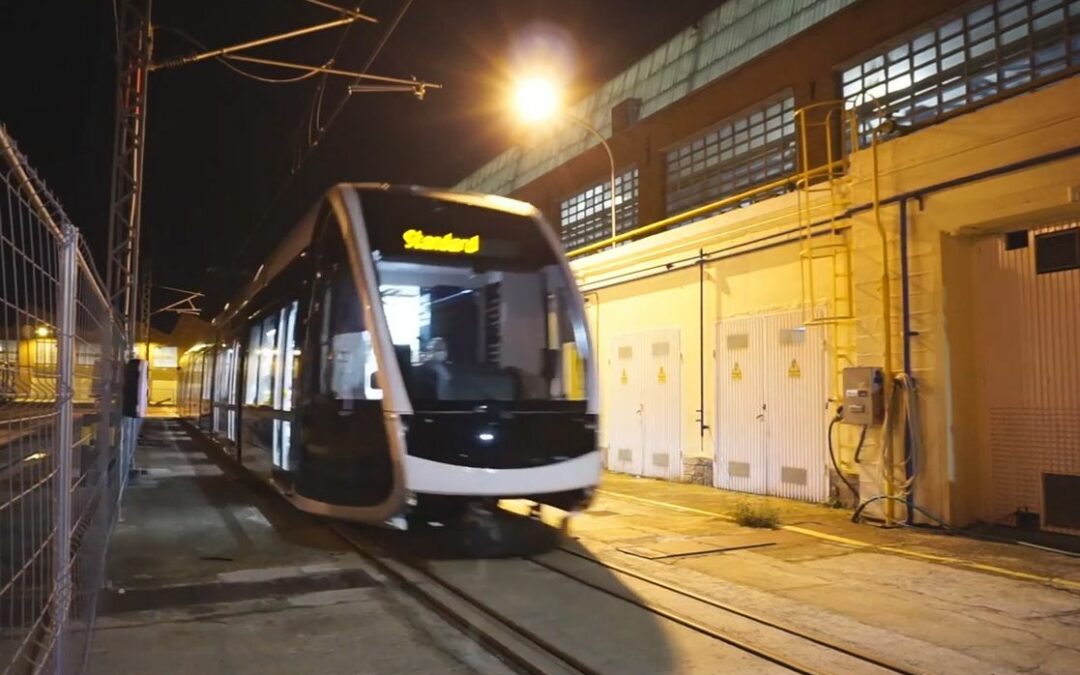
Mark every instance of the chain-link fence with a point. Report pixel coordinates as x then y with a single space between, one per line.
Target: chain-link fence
60 466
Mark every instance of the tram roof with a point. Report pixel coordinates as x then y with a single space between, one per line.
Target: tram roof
299 238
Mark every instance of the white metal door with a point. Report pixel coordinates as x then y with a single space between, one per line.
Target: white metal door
625 449
796 396
741 461
661 380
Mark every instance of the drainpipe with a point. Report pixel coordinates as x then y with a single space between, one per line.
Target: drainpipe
886 308
905 292
702 427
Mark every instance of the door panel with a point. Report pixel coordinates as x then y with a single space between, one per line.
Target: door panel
741 460
626 426
662 389
796 394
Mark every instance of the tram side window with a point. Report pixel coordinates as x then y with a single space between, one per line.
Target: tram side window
289 358
348 361
251 367
268 358
263 359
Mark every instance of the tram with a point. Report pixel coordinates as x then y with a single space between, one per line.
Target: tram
408 353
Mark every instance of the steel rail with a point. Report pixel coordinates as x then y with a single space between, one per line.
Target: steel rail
390 565
712 602
486 639
687 622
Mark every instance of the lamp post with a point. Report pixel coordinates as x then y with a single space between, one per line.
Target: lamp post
537 99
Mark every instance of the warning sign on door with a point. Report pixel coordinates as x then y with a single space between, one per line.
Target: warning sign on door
622 378
661 376
736 372
794 370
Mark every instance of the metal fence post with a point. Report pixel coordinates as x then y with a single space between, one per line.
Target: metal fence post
62 480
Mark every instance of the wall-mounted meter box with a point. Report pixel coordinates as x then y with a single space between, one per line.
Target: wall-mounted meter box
864 396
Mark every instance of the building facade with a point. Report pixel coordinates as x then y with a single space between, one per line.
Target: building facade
806 186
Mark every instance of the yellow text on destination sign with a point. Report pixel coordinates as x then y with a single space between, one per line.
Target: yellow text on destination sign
446 243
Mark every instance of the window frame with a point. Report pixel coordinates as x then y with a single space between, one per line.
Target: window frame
594 222
731 172
962 74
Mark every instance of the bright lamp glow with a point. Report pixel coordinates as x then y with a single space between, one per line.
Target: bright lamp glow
42 331
536 99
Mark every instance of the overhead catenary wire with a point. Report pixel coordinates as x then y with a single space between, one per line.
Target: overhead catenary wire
335 8
321 132
314 116
223 61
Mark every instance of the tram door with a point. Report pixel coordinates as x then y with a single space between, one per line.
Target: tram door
344 454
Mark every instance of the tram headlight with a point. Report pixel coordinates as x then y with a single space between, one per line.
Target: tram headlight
485 436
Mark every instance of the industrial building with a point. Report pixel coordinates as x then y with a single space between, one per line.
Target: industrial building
808 186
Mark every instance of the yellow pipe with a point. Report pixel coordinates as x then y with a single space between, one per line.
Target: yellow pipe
706 239
808 260
692 213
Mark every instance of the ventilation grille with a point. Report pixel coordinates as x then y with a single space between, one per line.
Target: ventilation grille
793 475
738 469
738 341
1061 494
1057 251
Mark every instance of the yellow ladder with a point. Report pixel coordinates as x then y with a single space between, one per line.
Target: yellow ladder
823 197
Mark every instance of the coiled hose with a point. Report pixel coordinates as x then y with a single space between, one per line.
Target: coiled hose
832 452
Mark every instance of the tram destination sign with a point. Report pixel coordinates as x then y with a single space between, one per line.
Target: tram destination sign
418 240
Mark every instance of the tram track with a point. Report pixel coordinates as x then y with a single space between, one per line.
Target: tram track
523 649
856 655
518 647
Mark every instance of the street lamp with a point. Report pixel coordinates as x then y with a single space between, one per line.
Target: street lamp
537 99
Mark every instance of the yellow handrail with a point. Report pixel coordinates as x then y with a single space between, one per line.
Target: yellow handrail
700 210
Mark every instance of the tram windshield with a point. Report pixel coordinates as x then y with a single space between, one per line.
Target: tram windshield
478 305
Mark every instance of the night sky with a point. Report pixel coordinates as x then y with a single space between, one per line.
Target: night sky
221 147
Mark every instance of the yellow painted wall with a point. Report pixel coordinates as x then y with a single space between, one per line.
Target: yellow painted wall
163 380
665 301
760 281
942 225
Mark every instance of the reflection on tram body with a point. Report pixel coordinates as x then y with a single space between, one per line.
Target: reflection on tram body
412 351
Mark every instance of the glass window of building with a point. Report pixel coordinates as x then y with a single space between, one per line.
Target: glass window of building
586 216
962 60
742 152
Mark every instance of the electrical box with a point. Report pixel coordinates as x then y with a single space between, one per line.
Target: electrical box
864 396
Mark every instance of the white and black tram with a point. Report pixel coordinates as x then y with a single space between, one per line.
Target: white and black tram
408 351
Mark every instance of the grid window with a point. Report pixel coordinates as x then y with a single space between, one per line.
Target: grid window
988 51
586 217
751 149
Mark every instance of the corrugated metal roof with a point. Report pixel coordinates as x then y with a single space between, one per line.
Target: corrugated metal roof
724 39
